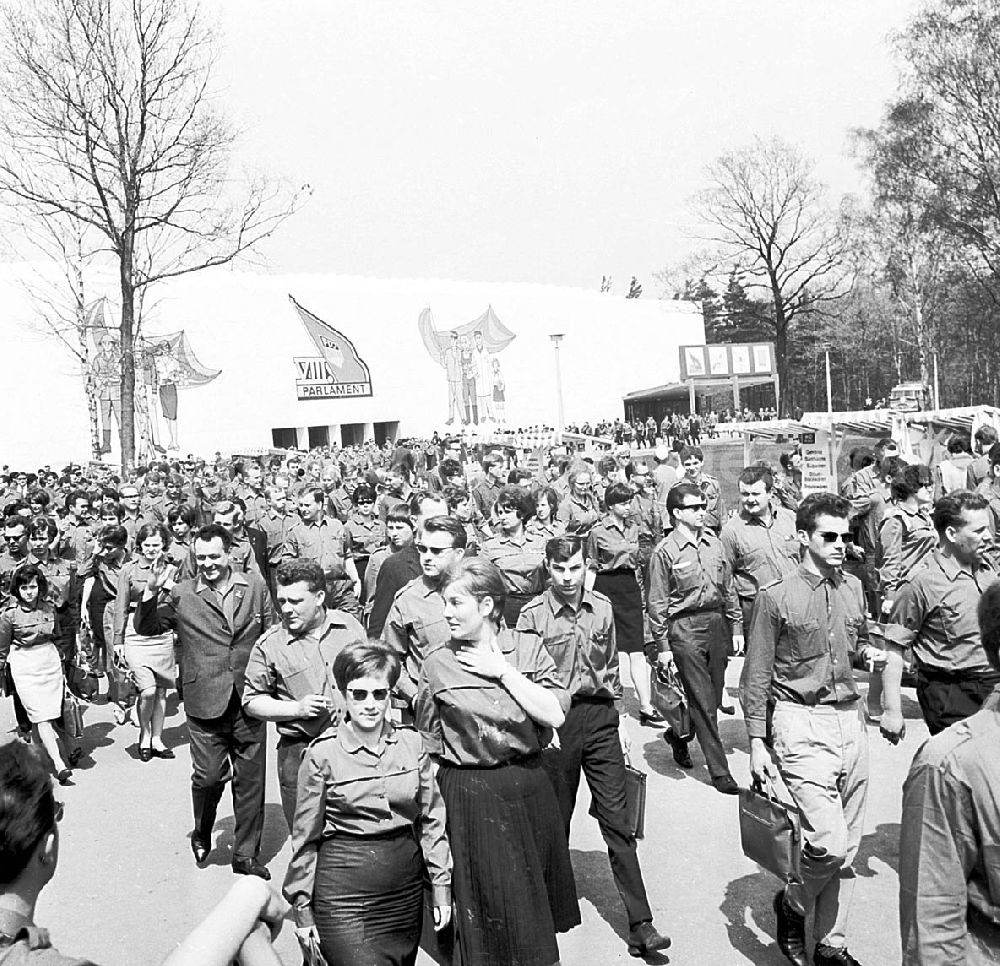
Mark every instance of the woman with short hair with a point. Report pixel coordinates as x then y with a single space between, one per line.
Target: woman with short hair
29 629
486 704
150 657
369 818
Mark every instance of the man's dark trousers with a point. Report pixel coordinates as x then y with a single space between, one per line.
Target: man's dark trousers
589 740
230 746
699 642
947 697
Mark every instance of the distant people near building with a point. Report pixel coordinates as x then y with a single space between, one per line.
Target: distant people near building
979 469
952 473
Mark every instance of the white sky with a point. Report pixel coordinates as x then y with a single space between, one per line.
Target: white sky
534 141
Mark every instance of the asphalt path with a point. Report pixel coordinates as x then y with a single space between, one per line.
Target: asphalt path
127 887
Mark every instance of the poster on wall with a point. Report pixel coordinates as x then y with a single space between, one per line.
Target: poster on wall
477 392
718 360
338 372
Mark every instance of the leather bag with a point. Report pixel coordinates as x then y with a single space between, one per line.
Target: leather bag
771 831
669 698
72 715
635 799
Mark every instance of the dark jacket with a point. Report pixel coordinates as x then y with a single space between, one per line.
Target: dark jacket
213 655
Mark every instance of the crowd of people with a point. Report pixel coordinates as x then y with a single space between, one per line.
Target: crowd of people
437 631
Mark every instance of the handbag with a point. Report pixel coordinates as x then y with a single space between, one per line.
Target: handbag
81 680
72 714
669 699
771 831
635 800
124 680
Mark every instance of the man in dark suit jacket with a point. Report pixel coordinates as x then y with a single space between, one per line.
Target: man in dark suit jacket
218 616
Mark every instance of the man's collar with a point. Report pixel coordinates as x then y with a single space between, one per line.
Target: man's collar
350 742
813 579
952 568
235 577
557 604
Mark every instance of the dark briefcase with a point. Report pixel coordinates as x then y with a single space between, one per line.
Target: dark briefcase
669 698
771 832
635 800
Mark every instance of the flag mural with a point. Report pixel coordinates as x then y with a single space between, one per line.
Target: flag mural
338 371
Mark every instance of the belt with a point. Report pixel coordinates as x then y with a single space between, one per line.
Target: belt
956 674
396 833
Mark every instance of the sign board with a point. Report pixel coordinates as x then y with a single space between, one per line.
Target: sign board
817 465
726 361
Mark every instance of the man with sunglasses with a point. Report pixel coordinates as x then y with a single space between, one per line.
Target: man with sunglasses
690 598
416 625
289 677
806 628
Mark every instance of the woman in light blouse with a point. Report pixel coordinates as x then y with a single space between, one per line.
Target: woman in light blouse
366 798
486 705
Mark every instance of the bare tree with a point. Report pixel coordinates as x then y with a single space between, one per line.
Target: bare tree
766 211
107 123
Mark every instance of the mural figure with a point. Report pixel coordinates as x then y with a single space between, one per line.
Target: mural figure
468 353
163 364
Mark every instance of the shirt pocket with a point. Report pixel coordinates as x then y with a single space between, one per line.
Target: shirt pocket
302 681
807 639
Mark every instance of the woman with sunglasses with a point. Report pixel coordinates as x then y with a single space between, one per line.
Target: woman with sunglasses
364 533
29 629
486 704
150 657
369 819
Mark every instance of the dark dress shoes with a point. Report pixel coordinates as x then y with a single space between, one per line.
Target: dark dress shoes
645 939
833 956
250 867
145 754
680 749
163 753
200 848
726 784
651 718
727 708
791 929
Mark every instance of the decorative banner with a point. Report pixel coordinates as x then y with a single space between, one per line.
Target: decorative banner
338 372
477 391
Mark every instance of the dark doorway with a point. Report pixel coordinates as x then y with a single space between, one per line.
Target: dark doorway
319 436
352 434
386 431
284 438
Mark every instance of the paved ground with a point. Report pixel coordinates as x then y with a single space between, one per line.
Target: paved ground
127 886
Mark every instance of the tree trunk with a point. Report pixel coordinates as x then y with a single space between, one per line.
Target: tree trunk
781 349
127 329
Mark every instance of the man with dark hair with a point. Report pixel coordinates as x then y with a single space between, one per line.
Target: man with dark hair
321 538
934 617
486 491
761 542
693 460
577 628
690 597
805 630
218 616
990 489
404 566
416 626
983 441
948 890
288 679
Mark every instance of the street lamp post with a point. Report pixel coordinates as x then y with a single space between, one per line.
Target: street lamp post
556 338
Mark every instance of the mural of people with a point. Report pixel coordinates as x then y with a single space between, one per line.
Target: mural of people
467 353
105 370
163 364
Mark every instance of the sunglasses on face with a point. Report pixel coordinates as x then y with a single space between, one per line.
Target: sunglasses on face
829 536
695 506
361 694
436 551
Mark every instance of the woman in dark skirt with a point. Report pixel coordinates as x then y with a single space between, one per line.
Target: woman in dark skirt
486 704
613 556
367 807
